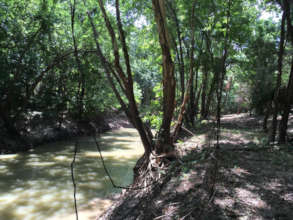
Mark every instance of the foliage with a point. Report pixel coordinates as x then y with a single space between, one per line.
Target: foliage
39 71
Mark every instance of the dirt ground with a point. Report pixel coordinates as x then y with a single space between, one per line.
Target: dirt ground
245 179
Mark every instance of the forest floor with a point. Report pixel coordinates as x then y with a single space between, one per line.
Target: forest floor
244 179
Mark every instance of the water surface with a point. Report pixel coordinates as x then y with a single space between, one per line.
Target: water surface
38 186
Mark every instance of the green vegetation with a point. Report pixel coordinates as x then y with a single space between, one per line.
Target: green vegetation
155 61
164 63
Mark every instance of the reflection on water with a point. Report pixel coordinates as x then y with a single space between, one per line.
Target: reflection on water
38 185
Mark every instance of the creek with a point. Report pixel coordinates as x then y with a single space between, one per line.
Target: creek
37 185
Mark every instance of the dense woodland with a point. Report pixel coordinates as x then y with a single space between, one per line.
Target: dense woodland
164 64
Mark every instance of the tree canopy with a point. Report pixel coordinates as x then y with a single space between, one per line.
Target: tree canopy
164 63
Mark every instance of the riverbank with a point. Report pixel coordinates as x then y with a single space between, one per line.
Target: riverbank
244 179
38 131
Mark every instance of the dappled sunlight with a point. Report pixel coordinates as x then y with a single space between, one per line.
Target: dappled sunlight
37 185
237 138
234 116
225 203
250 198
239 171
249 188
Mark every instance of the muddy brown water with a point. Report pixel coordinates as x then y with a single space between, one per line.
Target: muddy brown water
37 185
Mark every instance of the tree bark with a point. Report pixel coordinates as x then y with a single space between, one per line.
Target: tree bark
169 82
204 90
223 74
180 55
194 98
279 79
289 93
189 83
286 110
215 80
208 97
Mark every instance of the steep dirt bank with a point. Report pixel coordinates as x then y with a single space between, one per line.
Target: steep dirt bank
38 131
244 179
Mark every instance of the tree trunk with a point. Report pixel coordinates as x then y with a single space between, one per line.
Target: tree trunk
211 93
123 77
289 93
267 114
204 92
190 80
180 55
222 74
169 82
81 83
279 79
194 98
286 110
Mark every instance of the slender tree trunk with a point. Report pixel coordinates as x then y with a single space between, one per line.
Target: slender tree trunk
196 102
267 115
223 74
180 55
215 80
190 80
279 79
289 92
204 92
169 82
208 98
190 108
81 86
286 111
194 98
189 114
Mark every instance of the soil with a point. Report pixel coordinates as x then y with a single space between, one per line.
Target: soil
245 179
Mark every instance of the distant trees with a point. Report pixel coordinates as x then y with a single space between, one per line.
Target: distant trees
38 65
24 58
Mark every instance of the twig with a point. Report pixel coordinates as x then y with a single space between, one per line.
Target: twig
73 180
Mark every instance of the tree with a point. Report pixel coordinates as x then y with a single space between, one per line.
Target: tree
121 78
279 79
22 51
287 7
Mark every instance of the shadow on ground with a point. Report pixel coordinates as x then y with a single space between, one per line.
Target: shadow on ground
245 179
